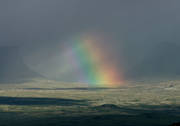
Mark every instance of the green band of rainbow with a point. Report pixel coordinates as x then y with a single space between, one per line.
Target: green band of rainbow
92 64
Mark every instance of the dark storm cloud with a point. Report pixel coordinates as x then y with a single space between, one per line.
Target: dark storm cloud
39 27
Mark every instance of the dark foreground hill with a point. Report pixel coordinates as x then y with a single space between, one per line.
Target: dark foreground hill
175 124
12 67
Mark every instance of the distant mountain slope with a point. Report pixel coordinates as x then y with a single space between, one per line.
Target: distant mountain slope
12 67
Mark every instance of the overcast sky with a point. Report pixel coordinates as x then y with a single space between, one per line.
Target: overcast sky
137 28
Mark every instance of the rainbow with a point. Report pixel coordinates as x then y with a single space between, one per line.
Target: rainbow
89 58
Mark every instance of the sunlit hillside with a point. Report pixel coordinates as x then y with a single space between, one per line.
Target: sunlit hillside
45 102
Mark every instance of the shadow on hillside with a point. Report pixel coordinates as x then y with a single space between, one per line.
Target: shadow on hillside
40 101
156 119
108 120
122 116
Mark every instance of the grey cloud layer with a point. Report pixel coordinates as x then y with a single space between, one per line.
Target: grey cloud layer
138 26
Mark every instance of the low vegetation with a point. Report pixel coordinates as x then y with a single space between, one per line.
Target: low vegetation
46 103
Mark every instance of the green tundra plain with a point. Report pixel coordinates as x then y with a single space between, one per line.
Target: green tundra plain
51 103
